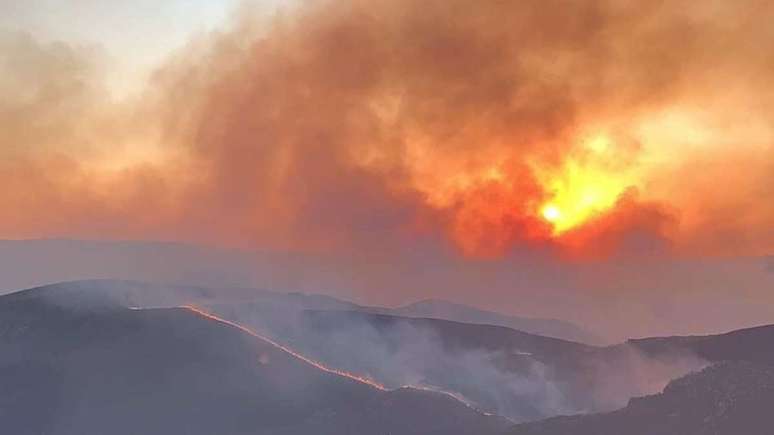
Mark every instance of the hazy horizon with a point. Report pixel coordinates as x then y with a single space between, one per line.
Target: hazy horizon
178 263
607 163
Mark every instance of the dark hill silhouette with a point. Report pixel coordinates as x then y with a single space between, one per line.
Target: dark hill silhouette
750 344
27 263
504 371
733 396
96 367
440 309
726 399
523 376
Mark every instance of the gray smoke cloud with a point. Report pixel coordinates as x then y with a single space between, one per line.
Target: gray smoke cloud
521 378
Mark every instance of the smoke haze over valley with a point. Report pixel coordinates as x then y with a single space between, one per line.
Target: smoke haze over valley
611 301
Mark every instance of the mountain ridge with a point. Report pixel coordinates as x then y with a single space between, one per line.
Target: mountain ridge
108 369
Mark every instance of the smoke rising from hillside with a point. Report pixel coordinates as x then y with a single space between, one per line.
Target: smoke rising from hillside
536 379
380 150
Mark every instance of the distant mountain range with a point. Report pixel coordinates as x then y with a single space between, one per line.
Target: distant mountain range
29 263
121 357
439 309
725 399
69 367
733 395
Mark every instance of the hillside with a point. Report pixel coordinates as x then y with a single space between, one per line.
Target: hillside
439 309
725 399
503 371
749 344
70 368
522 376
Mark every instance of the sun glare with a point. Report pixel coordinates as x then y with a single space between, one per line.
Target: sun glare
583 186
551 213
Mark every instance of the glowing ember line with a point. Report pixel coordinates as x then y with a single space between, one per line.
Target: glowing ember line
436 390
321 366
456 396
286 349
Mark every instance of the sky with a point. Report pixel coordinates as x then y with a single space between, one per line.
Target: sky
585 132
134 37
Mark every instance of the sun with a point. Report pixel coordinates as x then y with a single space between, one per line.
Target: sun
551 213
588 182
578 194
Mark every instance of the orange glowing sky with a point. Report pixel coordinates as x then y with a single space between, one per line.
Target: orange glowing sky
343 124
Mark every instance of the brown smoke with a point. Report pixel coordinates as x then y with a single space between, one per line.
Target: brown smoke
353 125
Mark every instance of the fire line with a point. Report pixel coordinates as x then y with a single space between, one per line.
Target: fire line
361 379
309 361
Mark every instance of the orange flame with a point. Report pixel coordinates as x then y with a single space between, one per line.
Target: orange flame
316 364
362 379
588 183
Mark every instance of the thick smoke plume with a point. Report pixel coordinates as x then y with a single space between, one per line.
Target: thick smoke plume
348 124
535 379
